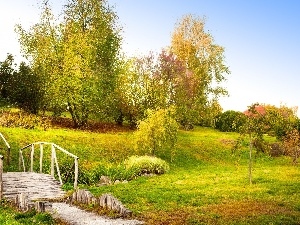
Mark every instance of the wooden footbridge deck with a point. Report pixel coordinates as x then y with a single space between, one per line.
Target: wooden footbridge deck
36 186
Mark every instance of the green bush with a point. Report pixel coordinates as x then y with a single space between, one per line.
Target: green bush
157 133
130 169
146 165
230 121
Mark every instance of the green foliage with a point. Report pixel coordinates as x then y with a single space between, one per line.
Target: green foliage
230 121
210 182
130 169
33 217
134 90
9 216
204 69
291 145
157 133
161 81
21 88
75 59
6 71
25 89
205 177
146 165
280 120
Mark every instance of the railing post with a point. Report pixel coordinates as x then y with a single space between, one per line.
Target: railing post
31 157
76 173
52 159
1 181
8 149
57 169
20 160
41 157
8 156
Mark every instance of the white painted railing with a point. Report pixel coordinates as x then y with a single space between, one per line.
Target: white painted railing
8 149
54 161
1 174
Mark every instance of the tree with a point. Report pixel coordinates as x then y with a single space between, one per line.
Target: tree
24 89
134 91
230 121
291 143
41 46
254 127
157 132
205 68
280 120
77 57
6 71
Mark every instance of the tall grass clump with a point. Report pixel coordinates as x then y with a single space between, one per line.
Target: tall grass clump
146 165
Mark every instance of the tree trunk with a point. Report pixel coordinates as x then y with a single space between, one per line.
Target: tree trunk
250 160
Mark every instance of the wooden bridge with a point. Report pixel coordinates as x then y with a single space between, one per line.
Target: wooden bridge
34 186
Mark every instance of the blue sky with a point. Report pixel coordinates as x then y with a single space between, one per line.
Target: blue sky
261 39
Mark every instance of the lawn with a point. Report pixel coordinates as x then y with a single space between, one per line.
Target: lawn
207 183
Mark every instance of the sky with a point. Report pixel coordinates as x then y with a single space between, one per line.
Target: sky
261 40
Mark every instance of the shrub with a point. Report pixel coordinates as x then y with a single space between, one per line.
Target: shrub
132 168
146 165
158 132
230 121
276 149
24 120
291 145
261 145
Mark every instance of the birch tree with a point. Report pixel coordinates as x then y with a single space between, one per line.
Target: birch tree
76 57
205 68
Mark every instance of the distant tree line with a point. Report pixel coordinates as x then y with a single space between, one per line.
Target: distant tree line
260 120
75 65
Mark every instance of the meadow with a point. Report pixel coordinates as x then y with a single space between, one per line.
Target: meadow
207 182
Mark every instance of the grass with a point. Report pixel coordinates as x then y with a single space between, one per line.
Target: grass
9 216
207 182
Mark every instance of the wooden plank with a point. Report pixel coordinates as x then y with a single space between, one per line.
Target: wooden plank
35 185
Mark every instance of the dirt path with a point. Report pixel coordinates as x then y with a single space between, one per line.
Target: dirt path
76 216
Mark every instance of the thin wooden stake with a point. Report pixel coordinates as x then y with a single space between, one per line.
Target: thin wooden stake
22 161
31 157
41 157
1 181
76 173
57 169
52 159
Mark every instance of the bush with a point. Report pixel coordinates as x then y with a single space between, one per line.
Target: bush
157 133
230 121
276 149
291 145
146 165
24 120
130 169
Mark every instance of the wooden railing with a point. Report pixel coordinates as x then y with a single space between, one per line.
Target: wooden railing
8 149
53 159
1 181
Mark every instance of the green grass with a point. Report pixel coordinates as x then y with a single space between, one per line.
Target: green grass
9 216
207 182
